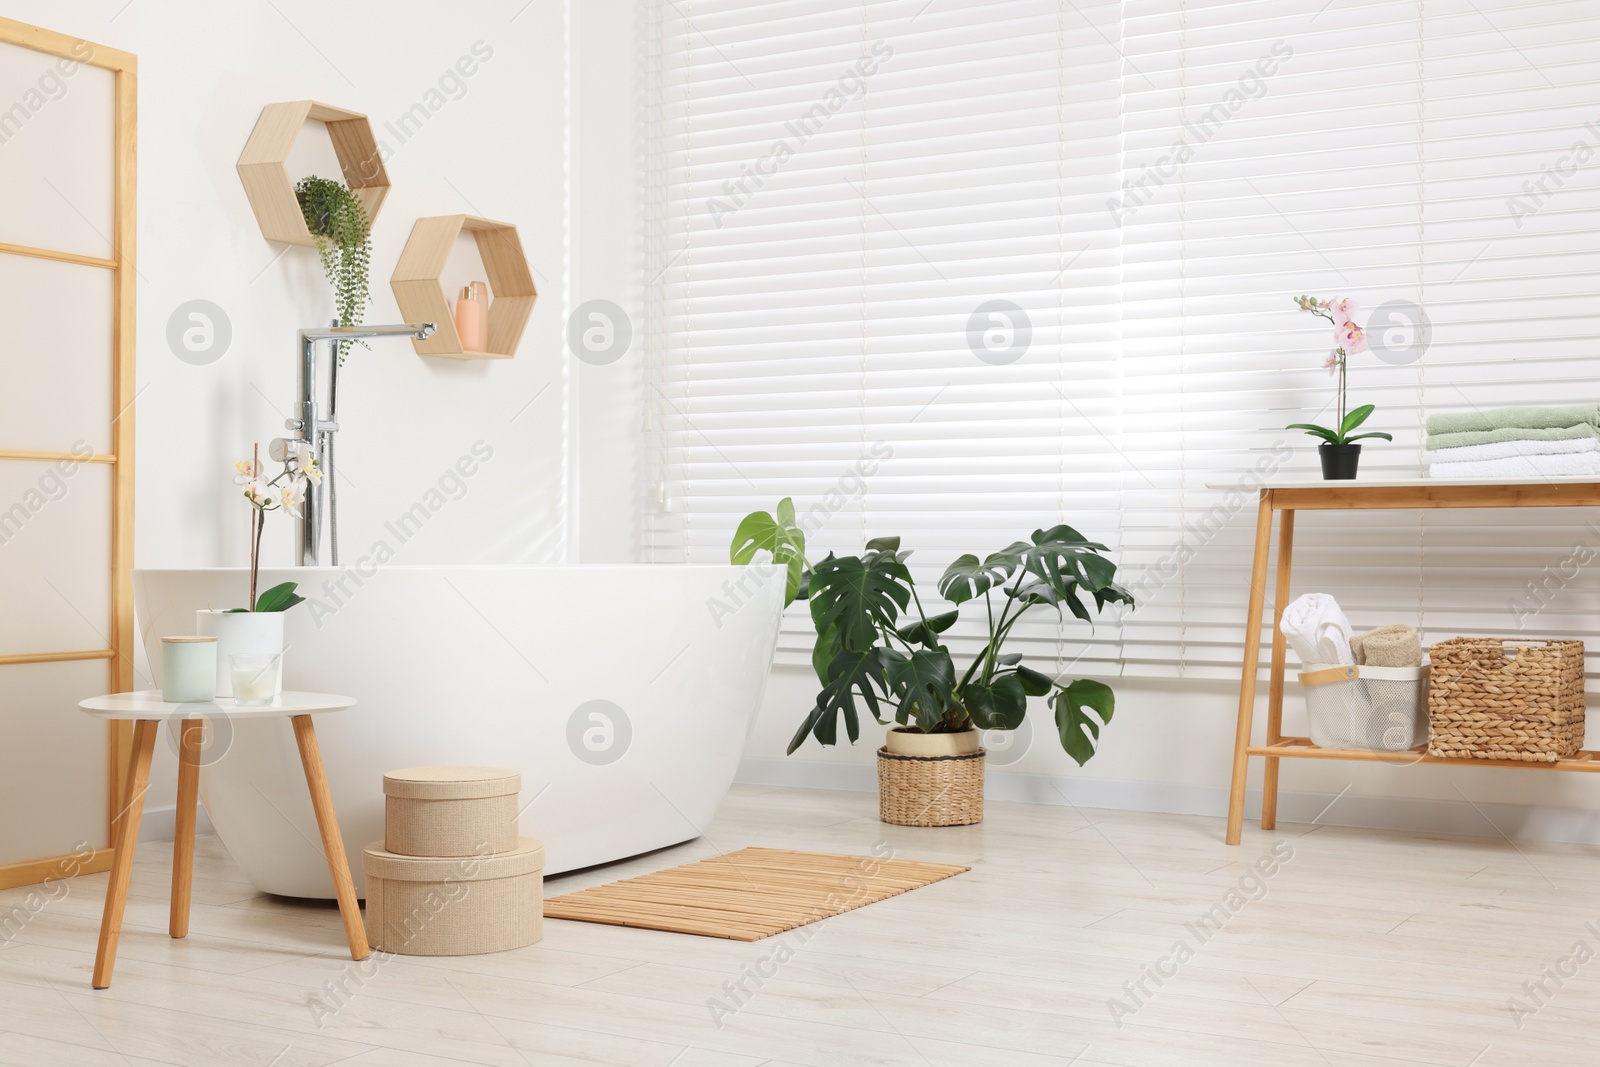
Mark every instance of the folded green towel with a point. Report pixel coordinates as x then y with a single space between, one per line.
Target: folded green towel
1489 437
1514 419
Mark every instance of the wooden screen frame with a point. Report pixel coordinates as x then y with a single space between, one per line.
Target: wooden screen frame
124 67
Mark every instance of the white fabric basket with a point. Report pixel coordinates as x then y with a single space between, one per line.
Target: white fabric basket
1374 709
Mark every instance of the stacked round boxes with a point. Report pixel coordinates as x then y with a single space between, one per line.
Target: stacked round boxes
451 877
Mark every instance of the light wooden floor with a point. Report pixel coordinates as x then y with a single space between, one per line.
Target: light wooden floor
1365 947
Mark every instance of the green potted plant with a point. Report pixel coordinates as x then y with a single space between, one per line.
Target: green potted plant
879 652
1340 450
338 222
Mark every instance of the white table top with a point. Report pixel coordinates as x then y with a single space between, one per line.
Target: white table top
1405 483
149 705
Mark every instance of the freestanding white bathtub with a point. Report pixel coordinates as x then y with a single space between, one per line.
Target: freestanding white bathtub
624 695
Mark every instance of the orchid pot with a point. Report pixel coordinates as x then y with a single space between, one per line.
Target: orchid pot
1339 461
241 633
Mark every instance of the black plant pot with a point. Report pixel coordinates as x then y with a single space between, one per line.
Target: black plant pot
1339 461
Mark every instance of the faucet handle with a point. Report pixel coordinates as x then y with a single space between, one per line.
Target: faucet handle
294 424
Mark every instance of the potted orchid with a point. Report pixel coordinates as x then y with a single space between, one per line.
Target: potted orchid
258 628
1340 451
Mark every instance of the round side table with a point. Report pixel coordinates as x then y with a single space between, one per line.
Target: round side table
148 711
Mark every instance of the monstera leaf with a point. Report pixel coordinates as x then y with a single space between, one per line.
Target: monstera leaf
1081 708
849 675
857 598
967 578
927 633
924 683
1001 705
778 535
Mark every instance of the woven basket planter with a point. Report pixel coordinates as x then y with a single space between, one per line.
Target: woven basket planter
1494 698
923 789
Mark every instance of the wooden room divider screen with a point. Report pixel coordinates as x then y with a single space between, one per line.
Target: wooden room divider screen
67 166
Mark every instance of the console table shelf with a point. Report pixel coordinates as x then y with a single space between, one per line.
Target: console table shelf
1302 748
1286 498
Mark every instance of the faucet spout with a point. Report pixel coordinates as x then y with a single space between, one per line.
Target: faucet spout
317 431
419 330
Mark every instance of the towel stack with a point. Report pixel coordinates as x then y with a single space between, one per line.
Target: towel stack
1515 443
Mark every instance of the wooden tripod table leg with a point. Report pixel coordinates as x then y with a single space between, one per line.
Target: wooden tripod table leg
1247 676
332 844
144 746
191 738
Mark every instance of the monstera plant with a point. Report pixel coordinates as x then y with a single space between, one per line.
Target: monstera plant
879 652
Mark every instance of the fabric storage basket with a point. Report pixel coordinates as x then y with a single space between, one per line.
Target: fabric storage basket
455 906
450 811
930 790
1374 709
1496 698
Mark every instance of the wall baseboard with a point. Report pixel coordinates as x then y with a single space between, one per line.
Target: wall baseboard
1461 818
161 824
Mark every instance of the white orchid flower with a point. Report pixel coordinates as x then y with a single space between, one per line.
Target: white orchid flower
306 464
259 492
291 496
245 472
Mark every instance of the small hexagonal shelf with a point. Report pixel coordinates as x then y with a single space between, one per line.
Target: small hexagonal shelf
422 299
266 177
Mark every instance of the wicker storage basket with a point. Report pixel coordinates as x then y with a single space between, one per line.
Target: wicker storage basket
930 790
1494 698
456 906
450 811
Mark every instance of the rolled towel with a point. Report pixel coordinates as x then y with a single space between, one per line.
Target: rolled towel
1526 418
1509 449
1437 441
1396 645
1521 467
1317 629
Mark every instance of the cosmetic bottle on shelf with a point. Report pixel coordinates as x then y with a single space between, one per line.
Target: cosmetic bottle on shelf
471 319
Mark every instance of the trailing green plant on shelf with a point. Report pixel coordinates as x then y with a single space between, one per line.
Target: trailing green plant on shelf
339 224
879 651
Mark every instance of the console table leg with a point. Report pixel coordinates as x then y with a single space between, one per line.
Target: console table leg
332 843
1247 677
191 737
144 747
1280 598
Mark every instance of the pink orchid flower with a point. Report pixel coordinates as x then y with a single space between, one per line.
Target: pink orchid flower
1344 308
1331 362
1352 338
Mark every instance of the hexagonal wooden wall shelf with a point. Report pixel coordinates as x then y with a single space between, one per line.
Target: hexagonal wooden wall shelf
266 177
422 299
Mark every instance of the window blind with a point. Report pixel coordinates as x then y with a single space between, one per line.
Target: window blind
886 283
959 270
1379 150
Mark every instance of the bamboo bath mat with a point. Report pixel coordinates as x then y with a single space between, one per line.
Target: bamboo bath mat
749 894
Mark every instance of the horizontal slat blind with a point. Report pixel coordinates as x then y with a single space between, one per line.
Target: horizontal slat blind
846 186
1150 181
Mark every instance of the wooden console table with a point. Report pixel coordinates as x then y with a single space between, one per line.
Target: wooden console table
1288 497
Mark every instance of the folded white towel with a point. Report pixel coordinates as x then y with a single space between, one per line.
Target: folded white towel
1317 629
1510 449
1520 467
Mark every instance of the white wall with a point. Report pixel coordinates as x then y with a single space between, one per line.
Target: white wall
494 143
